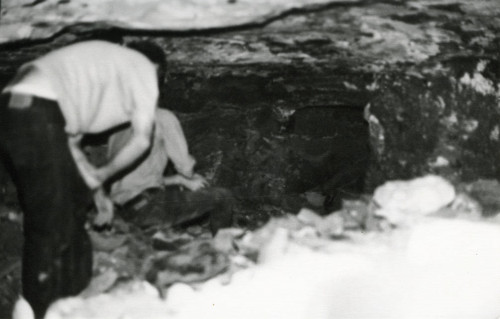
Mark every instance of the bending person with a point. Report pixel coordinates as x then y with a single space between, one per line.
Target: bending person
87 87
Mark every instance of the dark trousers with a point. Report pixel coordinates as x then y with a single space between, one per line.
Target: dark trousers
57 254
173 206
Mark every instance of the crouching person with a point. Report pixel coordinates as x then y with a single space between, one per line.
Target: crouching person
88 87
148 198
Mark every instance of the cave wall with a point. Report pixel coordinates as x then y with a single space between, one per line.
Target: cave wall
445 122
273 131
275 110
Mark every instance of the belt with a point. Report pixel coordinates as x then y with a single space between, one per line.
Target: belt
47 110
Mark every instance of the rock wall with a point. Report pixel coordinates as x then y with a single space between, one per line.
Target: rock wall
276 111
445 122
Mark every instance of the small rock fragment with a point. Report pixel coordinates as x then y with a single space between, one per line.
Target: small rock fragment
309 217
399 200
332 226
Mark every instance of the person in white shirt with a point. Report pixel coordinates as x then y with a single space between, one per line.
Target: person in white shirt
51 103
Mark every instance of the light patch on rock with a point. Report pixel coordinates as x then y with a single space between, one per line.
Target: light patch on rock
440 161
452 119
372 86
478 82
494 135
498 95
470 125
395 40
350 86
314 198
440 103
401 200
377 132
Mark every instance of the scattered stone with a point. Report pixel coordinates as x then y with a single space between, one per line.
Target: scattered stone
487 193
329 226
464 206
402 200
195 262
224 241
105 242
121 226
357 214
309 217
100 283
316 199
195 230
121 261
332 226
170 240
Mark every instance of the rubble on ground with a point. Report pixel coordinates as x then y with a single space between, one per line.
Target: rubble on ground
298 266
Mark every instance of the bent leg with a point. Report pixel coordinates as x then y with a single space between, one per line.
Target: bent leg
172 206
215 201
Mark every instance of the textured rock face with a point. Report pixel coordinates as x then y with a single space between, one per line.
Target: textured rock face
265 160
446 123
277 110
41 19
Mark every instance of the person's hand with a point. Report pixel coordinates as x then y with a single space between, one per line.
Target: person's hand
196 182
89 173
105 208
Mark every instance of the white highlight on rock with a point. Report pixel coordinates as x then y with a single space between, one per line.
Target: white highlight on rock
399 199
478 82
440 161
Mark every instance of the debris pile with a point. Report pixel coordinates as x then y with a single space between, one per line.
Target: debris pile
345 264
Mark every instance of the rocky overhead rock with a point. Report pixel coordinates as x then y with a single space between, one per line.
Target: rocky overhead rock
33 19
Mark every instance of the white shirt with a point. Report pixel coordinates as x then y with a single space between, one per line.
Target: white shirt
98 85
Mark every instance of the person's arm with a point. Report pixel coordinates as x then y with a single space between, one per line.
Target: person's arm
194 183
105 208
175 142
104 205
139 142
86 169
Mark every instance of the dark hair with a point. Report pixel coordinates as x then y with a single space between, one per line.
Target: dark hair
154 53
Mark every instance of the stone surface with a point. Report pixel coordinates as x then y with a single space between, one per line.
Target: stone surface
399 200
443 123
35 19
277 111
